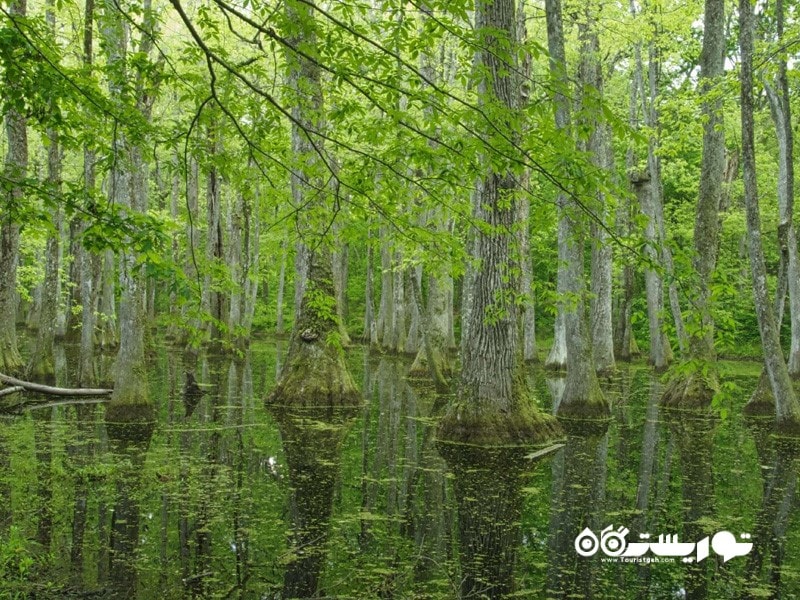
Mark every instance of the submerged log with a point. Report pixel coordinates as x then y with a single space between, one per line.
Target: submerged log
39 404
11 390
53 391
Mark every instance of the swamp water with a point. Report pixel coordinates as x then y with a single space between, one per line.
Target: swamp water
226 498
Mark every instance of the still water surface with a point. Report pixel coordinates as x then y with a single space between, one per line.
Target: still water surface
226 498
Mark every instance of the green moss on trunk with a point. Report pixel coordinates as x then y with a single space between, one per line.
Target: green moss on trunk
692 390
11 362
762 402
592 406
525 426
315 372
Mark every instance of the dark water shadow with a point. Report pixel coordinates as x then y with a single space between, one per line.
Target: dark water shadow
312 444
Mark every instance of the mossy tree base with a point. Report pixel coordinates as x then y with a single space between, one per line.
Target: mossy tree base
43 371
690 390
762 401
583 399
315 374
464 424
420 368
11 362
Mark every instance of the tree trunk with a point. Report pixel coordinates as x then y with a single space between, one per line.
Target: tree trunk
697 388
129 188
41 364
250 271
215 254
90 274
401 318
109 335
495 406
192 251
386 311
786 404
434 326
315 372
370 334
590 93
279 326
526 282
582 395
654 289
341 259
15 171
780 108
237 221
412 344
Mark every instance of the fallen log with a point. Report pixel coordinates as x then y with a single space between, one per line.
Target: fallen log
12 390
53 391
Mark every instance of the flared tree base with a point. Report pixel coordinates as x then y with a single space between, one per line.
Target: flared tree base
11 362
690 390
42 371
583 400
762 402
315 374
525 426
420 368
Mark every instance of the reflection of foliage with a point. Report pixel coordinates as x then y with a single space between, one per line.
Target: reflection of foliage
16 564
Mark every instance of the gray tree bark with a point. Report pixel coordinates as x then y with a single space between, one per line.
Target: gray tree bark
370 334
386 311
697 388
780 107
279 325
41 365
412 344
582 395
15 170
250 261
315 372
215 250
590 94
238 221
646 186
786 404
129 188
341 264
495 406
91 270
109 334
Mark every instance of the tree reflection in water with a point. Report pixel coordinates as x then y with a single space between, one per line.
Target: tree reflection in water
312 443
129 442
488 484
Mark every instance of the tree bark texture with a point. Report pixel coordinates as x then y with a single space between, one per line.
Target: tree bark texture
582 395
786 404
590 94
706 229
494 403
15 170
315 372
697 388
